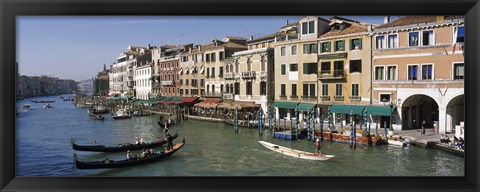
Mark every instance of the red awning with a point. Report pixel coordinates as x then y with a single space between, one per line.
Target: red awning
208 103
189 99
166 102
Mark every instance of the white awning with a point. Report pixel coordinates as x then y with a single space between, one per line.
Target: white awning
202 69
180 71
186 70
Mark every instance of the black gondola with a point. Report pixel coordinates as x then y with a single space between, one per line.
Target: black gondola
42 101
127 162
120 147
162 124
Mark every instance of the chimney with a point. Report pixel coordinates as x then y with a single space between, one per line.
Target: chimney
190 49
386 19
199 48
286 22
369 28
251 38
440 19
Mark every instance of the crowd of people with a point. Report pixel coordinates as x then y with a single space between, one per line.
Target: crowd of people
457 143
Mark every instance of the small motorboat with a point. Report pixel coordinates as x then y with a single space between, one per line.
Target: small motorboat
295 153
47 106
27 107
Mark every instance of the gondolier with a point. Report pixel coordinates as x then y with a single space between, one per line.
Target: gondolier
317 147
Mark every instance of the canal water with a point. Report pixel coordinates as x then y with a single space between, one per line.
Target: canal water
212 149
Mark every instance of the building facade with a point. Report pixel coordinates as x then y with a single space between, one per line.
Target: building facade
418 66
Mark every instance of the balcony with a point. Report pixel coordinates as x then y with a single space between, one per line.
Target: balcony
337 74
263 74
325 98
294 97
282 96
248 75
215 94
309 97
338 97
228 76
129 83
355 98
228 96
156 86
167 83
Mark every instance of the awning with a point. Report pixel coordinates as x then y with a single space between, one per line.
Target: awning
237 105
305 106
158 78
379 110
188 100
208 103
151 78
186 70
191 69
346 109
202 69
120 98
180 71
224 105
287 105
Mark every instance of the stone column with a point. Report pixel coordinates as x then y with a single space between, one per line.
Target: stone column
442 120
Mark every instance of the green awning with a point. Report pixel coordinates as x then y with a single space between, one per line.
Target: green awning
305 106
379 110
151 78
288 105
346 109
333 56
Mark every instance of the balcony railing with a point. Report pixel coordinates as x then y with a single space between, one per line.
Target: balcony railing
263 74
228 76
293 96
337 74
338 97
282 96
167 83
228 96
215 94
309 97
325 98
355 98
248 74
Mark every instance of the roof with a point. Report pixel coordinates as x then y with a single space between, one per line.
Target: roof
266 37
411 20
354 27
226 45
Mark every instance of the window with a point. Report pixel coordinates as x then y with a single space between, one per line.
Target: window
282 51
325 68
305 90
221 72
338 90
427 38
356 44
325 47
379 42
310 68
304 28
293 67
338 68
392 41
413 39
208 73
213 71
263 88
427 72
379 70
294 50
186 91
237 88
249 88
282 89
458 72
355 66
213 57
385 97
355 89
308 27
202 82
282 69
207 57
294 89
412 72
460 34
312 90
339 45
221 55
324 89
392 73
309 48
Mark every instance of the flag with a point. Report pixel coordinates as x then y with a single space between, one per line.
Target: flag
455 36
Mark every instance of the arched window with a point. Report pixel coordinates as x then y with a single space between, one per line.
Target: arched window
221 88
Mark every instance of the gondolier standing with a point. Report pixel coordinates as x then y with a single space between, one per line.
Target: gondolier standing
317 147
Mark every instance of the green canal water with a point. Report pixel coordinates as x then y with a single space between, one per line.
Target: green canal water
211 149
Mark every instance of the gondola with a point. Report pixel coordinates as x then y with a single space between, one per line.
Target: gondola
127 162
162 124
97 117
42 101
120 147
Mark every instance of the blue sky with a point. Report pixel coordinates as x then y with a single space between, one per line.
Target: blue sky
77 47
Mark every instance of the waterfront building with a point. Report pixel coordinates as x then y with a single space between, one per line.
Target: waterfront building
142 76
86 87
296 66
191 82
344 70
215 55
32 86
100 86
418 69
249 76
169 67
157 53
